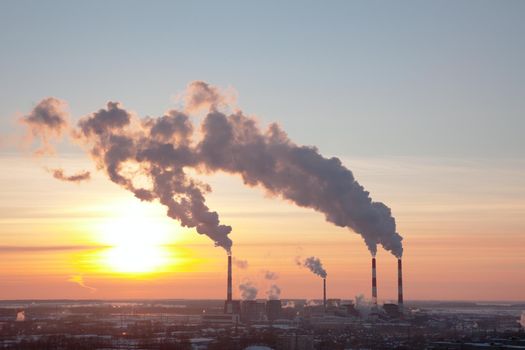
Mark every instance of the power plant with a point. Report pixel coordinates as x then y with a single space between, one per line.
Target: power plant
252 310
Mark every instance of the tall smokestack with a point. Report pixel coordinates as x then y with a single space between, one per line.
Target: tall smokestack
399 284
229 287
374 283
324 293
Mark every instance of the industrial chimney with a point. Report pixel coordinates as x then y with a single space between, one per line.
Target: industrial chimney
324 293
229 287
228 304
399 284
374 283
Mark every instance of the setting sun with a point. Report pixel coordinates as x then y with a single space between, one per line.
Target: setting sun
131 259
137 240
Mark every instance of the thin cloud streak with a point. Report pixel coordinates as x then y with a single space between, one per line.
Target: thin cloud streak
27 249
79 279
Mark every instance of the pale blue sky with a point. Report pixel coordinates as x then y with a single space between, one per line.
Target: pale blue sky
367 78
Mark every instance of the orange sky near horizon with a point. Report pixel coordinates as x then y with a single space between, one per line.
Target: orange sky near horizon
463 238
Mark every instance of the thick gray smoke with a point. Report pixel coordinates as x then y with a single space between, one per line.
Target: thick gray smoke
248 291
314 264
158 150
235 143
274 292
150 157
78 177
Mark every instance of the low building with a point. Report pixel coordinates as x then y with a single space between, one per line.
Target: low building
220 319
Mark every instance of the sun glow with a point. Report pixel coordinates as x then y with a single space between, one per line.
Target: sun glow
137 240
136 260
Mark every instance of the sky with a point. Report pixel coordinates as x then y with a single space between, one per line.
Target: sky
423 101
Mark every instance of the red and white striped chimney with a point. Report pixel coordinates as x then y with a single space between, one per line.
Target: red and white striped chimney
229 287
399 283
374 282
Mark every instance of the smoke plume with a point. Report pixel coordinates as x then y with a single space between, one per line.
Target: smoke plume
236 144
78 177
314 264
242 264
362 305
274 292
202 96
151 158
269 275
47 121
159 150
312 302
248 291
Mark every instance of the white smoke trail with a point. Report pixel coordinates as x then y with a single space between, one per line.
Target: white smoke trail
241 264
270 275
274 292
314 264
248 290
